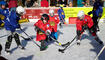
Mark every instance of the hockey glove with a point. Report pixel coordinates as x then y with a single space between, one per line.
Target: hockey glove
18 26
89 13
48 32
84 27
100 15
2 17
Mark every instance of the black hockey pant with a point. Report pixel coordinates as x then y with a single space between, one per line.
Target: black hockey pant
9 40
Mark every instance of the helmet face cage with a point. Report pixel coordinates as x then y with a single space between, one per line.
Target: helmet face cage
81 18
51 12
45 17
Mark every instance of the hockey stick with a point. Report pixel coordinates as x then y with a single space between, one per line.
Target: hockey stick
23 37
62 50
26 33
50 36
100 53
31 38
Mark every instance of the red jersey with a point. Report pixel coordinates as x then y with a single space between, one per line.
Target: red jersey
87 20
53 21
40 35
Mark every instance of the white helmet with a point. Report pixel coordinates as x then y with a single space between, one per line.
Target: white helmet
80 13
20 10
51 11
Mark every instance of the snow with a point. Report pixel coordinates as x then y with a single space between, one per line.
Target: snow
88 49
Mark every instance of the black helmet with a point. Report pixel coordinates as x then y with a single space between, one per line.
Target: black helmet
45 17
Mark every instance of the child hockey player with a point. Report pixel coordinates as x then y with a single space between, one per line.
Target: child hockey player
85 22
53 21
11 23
44 25
61 15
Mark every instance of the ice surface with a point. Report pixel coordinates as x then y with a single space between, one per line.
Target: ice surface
88 49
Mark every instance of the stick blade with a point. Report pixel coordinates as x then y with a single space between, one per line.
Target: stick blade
63 45
61 50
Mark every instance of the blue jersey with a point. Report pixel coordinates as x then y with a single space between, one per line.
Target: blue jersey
14 18
11 19
5 12
61 14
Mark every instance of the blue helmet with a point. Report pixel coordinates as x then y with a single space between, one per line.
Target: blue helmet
3 3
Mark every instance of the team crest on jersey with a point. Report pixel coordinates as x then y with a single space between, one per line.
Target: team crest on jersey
55 18
85 19
48 25
62 13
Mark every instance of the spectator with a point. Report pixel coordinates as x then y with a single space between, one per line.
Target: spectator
70 2
35 4
44 3
27 3
12 5
23 1
64 3
104 3
20 3
52 2
80 3
87 3
57 3
92 2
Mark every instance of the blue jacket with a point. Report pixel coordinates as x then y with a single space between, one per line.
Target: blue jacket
61 14
11 20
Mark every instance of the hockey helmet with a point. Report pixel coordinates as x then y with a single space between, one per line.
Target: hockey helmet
20 10
80 14
45 17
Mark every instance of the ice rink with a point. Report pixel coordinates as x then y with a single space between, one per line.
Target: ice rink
88 49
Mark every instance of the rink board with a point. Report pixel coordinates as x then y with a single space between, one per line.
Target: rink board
34 14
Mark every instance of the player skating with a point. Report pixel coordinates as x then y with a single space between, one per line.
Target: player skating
42 36
85 22
53 21
11 23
